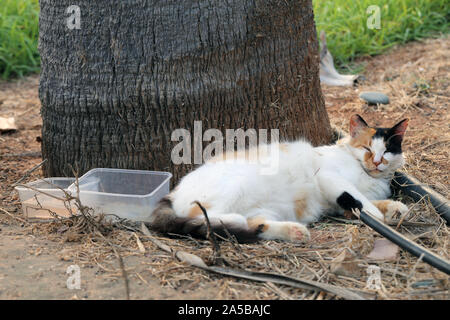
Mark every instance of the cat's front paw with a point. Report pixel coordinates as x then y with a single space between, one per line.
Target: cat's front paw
391 208
394 208
297 232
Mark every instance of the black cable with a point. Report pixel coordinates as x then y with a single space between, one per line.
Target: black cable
404 243
413 188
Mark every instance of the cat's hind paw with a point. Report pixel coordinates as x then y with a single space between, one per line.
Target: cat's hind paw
284 230
297 232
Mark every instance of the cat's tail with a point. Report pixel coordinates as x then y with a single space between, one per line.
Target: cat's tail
165 220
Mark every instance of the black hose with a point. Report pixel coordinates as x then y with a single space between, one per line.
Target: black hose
404 243
413 188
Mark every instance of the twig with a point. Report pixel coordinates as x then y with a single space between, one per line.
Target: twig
428 292
139 243
183 236
435 143
196 261
391 271
23 112
27 174
13 216
407 213
210 235
142 279
347 221
231 238
278 291
322 264
413 271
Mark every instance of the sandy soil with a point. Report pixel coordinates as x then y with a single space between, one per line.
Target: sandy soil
34 257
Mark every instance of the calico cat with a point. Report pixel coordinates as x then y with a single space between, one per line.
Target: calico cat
355 173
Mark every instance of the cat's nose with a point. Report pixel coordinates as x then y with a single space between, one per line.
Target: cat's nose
377 163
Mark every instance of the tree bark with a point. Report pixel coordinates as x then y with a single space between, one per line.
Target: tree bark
113 91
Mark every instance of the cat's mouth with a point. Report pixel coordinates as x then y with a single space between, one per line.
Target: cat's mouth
372 172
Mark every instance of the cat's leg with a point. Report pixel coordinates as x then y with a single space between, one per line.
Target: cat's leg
279 230
343 193
390 207
261 224
271 229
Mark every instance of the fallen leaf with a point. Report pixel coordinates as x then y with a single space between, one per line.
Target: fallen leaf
7 124
383 249
345 264
62 229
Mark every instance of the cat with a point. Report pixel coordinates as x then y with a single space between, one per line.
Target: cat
354 173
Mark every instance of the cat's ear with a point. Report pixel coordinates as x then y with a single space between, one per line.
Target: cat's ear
357 123
398 131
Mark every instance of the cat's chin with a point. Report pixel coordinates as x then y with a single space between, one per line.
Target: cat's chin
376 173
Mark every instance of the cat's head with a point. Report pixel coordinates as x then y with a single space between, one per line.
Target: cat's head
378 149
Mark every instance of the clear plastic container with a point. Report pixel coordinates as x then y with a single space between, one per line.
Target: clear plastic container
39 202
130 194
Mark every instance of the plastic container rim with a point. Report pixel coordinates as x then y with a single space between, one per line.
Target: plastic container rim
20 188
168 174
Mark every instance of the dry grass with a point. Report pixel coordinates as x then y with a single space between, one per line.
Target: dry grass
404 278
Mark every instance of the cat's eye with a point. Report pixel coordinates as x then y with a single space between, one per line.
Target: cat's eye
367 148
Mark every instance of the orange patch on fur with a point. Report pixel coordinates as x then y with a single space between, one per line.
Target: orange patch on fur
254 223
195 211
349 215
300 206
368 159
363 138
382 205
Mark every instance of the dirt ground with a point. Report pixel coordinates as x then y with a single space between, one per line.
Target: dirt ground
35 256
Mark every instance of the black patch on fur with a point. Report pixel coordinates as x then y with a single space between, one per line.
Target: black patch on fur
164 220
165 202
393 142
347 202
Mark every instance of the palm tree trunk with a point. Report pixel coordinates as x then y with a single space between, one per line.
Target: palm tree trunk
115 89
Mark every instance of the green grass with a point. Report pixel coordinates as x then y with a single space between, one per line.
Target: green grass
344 21
345 24
18 37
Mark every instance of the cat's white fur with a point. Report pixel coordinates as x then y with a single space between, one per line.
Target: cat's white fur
316 175
234 190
